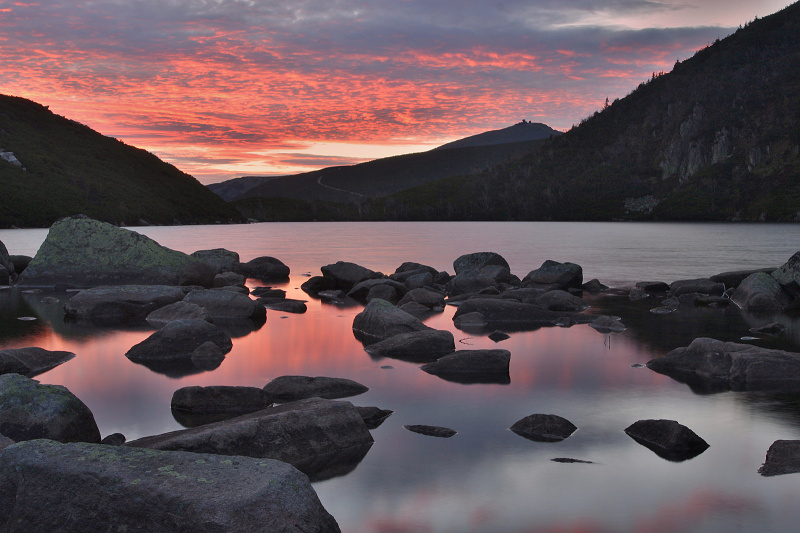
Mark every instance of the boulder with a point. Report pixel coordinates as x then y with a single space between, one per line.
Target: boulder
268 292
30 410
409 269
177 341
177 311
208 356
74 488
31 361
470 282
561 301
293 388
783 457
760 292
544 428
265 268
380 320
422 296
555 274
121 303
734 278
115 439
667 438
227 305
220 399
472 366
431 431
652 286
473 320
361 291
512 315
197 274
498 336
311 434
228 279
476 261
347 275
788 275
317 284
373 417
594 286
416 346
284 305
712 365
84 252
220 259
701 285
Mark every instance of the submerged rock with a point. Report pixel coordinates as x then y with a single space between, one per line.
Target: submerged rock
712 365
667 438
431 431
783 457
74 488
30 410
31 361
544 428
293 388
84 252
284 305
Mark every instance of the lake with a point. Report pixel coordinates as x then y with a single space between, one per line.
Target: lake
486 478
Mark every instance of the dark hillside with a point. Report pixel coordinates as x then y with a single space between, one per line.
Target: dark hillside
60 167
522 131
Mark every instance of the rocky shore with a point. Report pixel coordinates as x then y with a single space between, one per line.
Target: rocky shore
297 429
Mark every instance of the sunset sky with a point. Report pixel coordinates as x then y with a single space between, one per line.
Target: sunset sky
226 88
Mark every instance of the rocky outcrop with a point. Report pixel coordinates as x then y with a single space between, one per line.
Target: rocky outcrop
83 252
265 268
760 292
667 439
712 365
31 361
472 366
74 488
783 457
544 428
416 346
29 410
293 388
311 434
380 320
120 304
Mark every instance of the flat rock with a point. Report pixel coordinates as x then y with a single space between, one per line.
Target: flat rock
30 410
227 305
667 438
431 431
83 252
472 366
607 324
293 388
783 457
177 311
120 304
220 399
712 365
415 346
311 434
380 320
511 315
74 488
285 305
544 428
31 361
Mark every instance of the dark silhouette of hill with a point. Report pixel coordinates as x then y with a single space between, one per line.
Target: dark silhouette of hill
53 167
522 131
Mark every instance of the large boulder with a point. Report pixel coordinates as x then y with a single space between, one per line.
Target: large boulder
177 342
120 303
478 260
265 268
30 410
31 361
346 275
73 488
472 366
293 388
788 275
760 292
544 428
177 311
221 259
423 346
220 399
380 320
426 297
83 252
711 365
555 275
227 305
667 439
311 434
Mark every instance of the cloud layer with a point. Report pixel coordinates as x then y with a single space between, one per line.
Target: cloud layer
229 87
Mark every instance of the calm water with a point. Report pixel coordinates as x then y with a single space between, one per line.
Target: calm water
486 478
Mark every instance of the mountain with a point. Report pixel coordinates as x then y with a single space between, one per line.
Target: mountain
717 138
378 178
522 131
53 167
235 188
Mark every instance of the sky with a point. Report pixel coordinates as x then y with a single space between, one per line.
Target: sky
229 88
